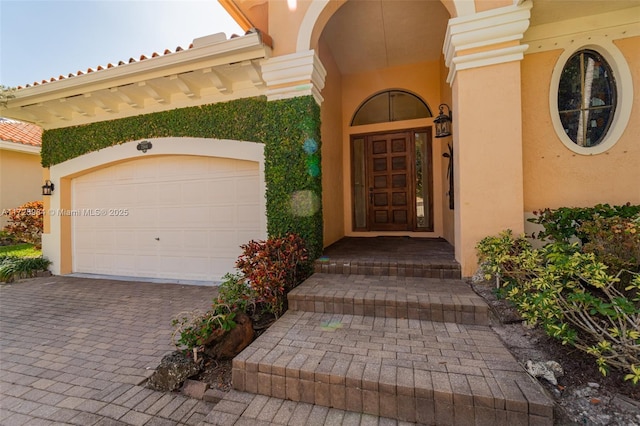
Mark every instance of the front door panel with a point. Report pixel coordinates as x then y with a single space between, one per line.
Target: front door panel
390 184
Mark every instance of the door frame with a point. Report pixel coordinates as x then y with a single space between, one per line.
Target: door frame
428 176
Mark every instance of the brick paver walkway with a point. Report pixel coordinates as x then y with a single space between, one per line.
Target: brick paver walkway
73 351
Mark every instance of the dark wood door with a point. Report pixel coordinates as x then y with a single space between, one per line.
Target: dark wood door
390 184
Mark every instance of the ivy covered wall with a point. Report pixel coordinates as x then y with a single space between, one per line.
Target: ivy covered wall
290 130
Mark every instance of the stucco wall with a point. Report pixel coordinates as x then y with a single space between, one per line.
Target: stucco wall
20 180
555 176
448 218
423 79
332 172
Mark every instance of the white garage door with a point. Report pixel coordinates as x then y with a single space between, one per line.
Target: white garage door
175 217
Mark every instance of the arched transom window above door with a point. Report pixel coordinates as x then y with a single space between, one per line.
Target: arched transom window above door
391 105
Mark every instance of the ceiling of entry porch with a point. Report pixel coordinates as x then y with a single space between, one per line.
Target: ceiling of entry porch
365 35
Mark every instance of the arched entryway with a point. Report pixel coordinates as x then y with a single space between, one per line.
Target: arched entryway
385 55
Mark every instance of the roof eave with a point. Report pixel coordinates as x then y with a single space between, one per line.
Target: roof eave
19 147
249 46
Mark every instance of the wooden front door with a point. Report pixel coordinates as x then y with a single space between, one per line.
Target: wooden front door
389 170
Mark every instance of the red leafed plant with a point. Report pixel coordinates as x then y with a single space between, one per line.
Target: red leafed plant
26 222
274 267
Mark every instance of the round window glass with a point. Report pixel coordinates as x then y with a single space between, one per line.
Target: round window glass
586 98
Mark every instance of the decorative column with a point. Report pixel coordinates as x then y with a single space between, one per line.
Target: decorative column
483 54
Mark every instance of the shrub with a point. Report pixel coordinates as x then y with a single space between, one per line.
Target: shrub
13 267
26 222
572 296
274 267
615 241
6 239
236 293
195 329
565 223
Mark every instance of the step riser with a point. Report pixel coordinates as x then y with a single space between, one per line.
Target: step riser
402 403
440 313
426 299
390 269
410 370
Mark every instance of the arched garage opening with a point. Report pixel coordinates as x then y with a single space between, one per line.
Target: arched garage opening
178 212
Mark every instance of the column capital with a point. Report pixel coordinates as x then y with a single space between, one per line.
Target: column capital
486 38
293 75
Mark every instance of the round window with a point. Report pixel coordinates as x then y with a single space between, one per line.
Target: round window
587 98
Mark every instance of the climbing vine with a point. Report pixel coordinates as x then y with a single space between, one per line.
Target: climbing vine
289 128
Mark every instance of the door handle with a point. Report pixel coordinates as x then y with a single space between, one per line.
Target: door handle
370 195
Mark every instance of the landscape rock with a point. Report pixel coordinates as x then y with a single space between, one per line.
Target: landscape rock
173 370
548 370
233 342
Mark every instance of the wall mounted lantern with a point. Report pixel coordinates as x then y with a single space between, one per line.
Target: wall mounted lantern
47 188
443 122
144 146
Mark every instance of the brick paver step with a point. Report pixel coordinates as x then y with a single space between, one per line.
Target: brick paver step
391 296
406 369
381 266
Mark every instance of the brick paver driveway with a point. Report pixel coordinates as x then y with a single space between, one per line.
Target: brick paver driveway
74 351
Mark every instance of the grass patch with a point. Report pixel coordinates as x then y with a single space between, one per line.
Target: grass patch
20 250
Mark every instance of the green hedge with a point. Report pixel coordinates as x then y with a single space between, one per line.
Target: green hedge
285 127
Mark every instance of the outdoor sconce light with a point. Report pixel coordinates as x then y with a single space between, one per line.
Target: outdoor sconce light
443 122
47 188
144 146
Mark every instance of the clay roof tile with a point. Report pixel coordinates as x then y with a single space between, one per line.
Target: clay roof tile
20 133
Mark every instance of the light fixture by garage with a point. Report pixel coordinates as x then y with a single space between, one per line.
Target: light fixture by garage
48 187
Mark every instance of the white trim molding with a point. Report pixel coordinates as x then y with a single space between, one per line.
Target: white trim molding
293 75
482 30
20 147
308 23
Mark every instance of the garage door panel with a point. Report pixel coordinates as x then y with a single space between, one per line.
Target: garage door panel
201 209
194 192
167 193
171 239
146 240
85 262
123 264
221 191
193 267
247 191
140 217
248 215
223 166
183 217
143 193
196 240
222 216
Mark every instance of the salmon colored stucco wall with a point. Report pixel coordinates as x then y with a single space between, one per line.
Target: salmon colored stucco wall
448 219
555 176
331 130
422 79
20 180
488 157
284 24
